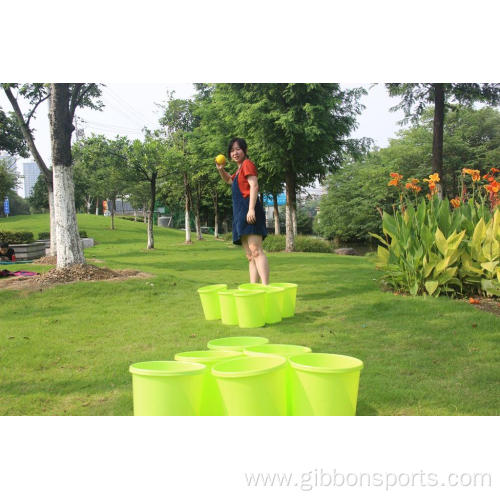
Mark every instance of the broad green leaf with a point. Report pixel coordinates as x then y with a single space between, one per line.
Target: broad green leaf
382 256
441 242
414 288
431 286
379 238
491 267
441 266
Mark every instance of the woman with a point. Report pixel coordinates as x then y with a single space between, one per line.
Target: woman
249 221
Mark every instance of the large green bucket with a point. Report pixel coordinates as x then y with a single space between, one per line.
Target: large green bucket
285 350
228 312
210 300
324 384
289 298
211 401
162 388
253 385
251 307
274 300
235 343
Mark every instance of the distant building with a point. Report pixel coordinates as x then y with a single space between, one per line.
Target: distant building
30 174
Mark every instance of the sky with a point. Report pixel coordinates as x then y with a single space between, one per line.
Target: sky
131 106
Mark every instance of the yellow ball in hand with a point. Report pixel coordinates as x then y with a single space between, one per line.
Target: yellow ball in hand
220 160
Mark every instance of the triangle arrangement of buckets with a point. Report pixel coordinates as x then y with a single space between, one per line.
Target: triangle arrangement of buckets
247 375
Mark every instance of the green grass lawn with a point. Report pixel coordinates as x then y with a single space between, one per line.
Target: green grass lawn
66 350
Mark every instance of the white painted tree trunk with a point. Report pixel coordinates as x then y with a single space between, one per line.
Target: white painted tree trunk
97 206
294 218
53 247
187 226
68 245
151 240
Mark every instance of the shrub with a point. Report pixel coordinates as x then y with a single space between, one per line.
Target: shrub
46 235
228 236
18 237
434 250
277 243
274 243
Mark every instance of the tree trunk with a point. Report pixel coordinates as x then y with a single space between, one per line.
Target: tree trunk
113 199
53 247
151 240
437 138
276 214
68 245
97 206
290 195
216 217
197 220
187 223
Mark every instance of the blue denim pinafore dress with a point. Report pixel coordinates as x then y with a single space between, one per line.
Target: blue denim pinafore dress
240 210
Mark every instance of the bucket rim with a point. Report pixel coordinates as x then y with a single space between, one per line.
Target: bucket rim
243 293
254 350
183 368
212 288
300 364
275 363
208 355
220 342
284 285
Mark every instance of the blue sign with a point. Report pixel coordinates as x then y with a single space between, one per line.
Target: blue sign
268 200
6 206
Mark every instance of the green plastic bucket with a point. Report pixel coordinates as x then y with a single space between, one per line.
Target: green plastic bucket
253 385
285 350
228 312
162 388
274 300
289 298
235 343
324 384
211 401
210 300
251 307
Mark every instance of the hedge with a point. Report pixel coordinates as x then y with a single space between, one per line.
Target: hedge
17 237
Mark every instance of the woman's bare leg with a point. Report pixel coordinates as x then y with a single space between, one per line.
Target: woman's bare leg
254 242
252 268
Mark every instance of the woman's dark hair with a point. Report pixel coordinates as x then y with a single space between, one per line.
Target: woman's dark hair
241 143
4 244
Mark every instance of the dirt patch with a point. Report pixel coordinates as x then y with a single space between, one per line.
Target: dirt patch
489 305
80 272
47 260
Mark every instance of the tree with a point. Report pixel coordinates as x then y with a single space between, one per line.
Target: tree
63 100
298 132
179 121
148 162
8 180
39 200
103 163
358 191
11 136
416 96
63 106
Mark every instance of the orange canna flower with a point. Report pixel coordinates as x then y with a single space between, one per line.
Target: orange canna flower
434 177
417 189
472 300
429 196
494 170
473 173
414 181
395 179
455 202
492 187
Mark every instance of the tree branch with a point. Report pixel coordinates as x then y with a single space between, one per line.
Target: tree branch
75 98
28 136
34 109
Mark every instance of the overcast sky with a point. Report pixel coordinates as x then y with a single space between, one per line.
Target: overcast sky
130 107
